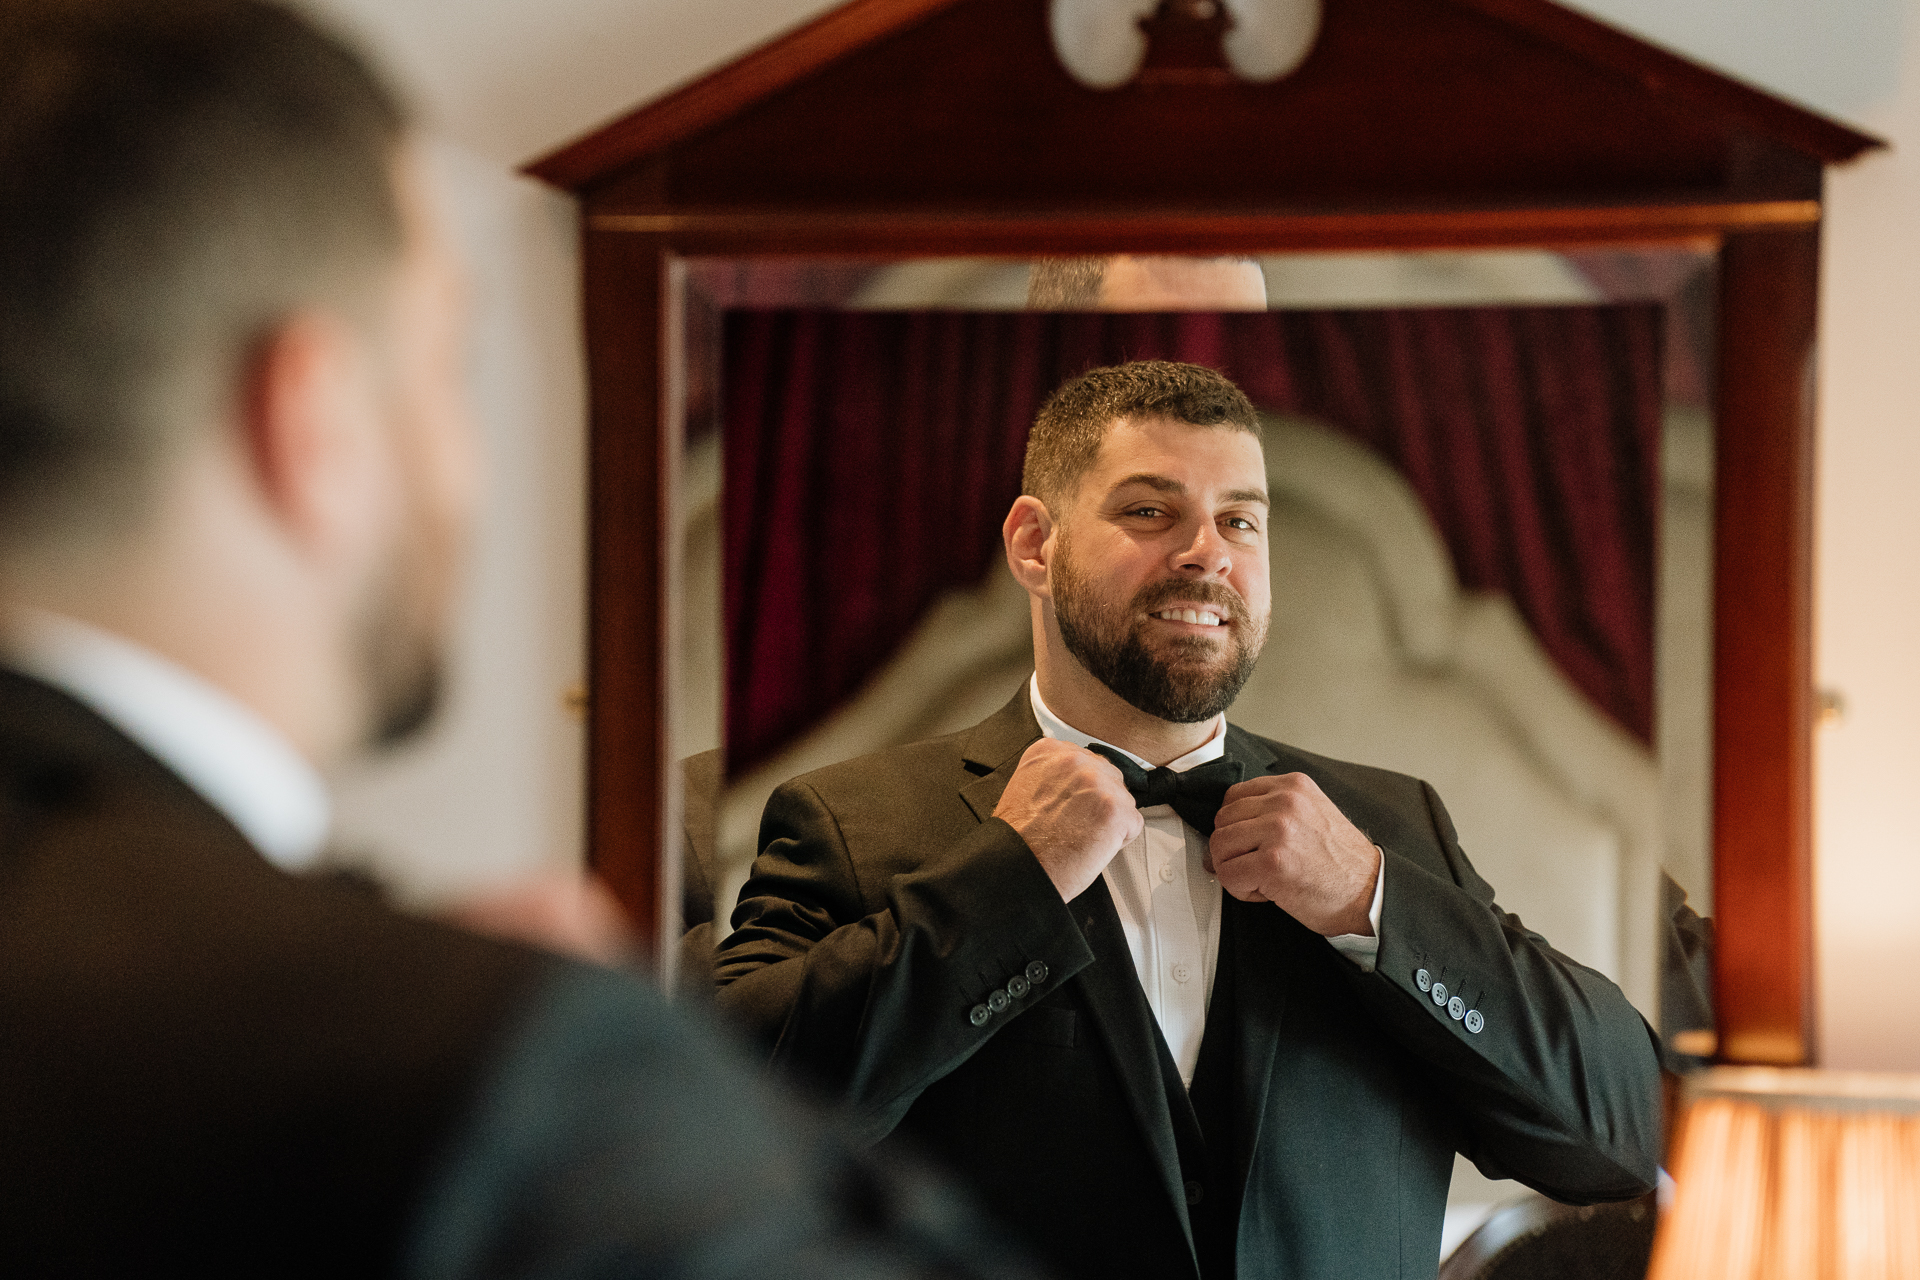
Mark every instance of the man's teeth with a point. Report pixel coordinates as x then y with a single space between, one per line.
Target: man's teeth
1202 617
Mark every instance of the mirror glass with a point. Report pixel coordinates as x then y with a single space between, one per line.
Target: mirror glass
1491 542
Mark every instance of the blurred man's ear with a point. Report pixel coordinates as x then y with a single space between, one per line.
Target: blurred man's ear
310 430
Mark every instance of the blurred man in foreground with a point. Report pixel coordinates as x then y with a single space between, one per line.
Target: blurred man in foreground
235 473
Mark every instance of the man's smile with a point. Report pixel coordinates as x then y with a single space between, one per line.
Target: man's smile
1202 616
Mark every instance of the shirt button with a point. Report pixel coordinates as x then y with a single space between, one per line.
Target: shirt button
1456 1008
1037 971
1018 986
1475 1021
998 1002
1181 973
979 1015
1166 873
1423 980
1440 994
1195 1193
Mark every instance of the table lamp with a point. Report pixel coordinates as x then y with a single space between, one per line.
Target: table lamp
1794 1174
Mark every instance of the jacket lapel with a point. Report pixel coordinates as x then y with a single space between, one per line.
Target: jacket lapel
1119 1008
1258 956
1261 964
993 748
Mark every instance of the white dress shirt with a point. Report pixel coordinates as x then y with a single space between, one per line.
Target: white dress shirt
1169 906
223 749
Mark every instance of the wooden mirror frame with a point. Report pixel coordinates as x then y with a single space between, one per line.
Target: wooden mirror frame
722 168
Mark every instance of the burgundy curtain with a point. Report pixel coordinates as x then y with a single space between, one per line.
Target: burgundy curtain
871 456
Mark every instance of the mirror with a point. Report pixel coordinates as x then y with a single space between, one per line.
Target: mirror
1491 542
1546 667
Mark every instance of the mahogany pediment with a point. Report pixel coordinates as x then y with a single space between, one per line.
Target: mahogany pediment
1401 104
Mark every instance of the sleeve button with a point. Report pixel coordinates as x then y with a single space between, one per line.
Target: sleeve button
1440 994
1456 1008
1423 980
999 1001
978 1017
1018 986
1037 972
1475 1021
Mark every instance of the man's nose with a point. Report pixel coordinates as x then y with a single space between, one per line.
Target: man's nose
1206 554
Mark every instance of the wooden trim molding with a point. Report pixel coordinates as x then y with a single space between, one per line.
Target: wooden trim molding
989 232
1763 708
631 481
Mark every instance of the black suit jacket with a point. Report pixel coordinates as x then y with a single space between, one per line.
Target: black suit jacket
888 904
208 1067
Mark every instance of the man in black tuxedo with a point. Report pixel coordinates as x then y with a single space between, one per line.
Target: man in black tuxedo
234 473
1178 999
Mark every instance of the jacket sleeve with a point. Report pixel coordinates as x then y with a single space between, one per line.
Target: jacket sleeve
1551 1073
872 1006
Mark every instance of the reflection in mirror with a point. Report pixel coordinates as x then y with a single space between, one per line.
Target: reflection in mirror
1491 543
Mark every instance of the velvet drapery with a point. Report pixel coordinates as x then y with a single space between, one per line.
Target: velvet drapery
870 458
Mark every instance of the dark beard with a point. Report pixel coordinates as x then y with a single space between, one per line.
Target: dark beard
1179 686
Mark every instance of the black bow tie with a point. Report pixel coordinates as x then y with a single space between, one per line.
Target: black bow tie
1195 795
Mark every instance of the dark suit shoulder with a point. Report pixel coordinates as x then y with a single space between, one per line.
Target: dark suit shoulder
1395 810
933 766
1365 777
911 770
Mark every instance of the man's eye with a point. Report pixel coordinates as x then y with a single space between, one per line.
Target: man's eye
1149 512
1240 522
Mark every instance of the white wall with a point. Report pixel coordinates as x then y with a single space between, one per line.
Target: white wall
503 80
1868 843
494 791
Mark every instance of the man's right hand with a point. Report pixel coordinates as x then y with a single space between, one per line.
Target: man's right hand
1073 810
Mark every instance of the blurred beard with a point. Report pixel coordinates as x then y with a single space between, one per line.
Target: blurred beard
405 674
1190 678
402 646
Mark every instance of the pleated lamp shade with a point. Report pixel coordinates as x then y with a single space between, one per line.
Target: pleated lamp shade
1790 1174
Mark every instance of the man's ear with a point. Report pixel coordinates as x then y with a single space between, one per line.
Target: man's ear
1028 534
308 430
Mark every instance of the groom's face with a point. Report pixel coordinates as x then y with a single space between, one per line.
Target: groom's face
1159 569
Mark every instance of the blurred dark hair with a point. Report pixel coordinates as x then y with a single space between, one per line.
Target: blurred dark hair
175 177
1067 432
1066 284
1075 284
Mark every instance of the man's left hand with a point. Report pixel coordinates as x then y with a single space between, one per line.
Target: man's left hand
1279 839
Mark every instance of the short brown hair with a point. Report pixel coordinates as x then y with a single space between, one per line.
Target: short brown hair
175 177
1067 433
